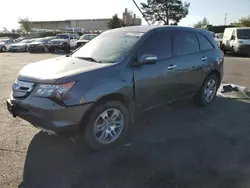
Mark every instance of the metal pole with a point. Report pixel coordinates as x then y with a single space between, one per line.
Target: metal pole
225 19
141 12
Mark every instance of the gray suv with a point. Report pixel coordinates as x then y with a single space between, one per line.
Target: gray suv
96 91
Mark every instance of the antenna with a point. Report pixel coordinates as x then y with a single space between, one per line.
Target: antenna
141 12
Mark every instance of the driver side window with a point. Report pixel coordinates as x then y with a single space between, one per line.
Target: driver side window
159 44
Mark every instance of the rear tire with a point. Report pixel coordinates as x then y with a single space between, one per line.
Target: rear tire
99 126
207 93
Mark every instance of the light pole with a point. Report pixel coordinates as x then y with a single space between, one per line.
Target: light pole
141 12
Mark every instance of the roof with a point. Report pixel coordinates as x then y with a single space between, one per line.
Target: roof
146 28
238 28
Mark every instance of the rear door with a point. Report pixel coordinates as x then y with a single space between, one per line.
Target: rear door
73 40
209 52
188 62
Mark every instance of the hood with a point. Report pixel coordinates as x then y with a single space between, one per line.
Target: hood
83 40
19 44
62 40
36 43
58 67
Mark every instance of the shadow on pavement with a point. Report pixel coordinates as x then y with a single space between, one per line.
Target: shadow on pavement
179 145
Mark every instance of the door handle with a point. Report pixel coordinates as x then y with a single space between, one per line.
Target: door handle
203 58
170 67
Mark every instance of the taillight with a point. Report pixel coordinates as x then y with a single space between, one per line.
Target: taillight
222 53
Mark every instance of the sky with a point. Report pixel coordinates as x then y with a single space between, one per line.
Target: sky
214 10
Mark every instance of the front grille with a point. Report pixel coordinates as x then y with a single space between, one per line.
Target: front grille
22 88
79 44
247 47
56 42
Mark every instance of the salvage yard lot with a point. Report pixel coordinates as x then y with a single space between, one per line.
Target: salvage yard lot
179 145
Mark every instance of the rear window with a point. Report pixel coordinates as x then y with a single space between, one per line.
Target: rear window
185 42
205 44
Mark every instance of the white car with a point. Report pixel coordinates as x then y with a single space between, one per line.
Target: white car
236 40
5 44
219 38
85 39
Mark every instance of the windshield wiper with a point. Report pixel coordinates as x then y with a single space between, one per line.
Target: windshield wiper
89 59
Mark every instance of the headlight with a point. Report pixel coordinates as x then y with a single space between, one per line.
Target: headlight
53 91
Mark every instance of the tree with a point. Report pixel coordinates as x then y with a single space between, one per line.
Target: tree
165 11
202 24
25 24
243 22
115 22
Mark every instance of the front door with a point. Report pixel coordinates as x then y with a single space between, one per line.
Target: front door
155 84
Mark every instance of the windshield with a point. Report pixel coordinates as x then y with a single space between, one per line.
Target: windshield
219 35
243 33
25 41
87 37
41 40
62 36
118 42
4 40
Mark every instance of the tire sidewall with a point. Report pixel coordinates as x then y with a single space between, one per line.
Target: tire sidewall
89 131
3 47
203 100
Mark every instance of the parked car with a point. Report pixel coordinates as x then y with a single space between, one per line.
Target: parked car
85 39
218 38
96 91
40 45
236 40
21 46
5 44
19 39
64 42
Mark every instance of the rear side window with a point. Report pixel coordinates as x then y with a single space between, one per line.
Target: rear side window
185 42
159 44
205 44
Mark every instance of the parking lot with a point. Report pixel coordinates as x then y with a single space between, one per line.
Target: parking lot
176 146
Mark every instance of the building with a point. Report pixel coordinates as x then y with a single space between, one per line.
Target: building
87 24
130 19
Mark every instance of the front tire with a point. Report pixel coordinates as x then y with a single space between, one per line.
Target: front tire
207 93
3 49
46 49
107 125
51 50
66 48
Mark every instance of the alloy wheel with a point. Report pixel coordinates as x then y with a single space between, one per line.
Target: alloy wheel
108 126
210 90
3 49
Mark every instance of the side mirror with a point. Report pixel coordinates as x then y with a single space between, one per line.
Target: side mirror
146 59
232 37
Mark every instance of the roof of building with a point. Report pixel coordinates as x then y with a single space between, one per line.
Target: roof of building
101 19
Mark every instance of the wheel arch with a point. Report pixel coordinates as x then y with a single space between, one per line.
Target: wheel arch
216 73
112 97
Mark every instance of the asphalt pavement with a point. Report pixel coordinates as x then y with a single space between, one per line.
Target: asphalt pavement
179 145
